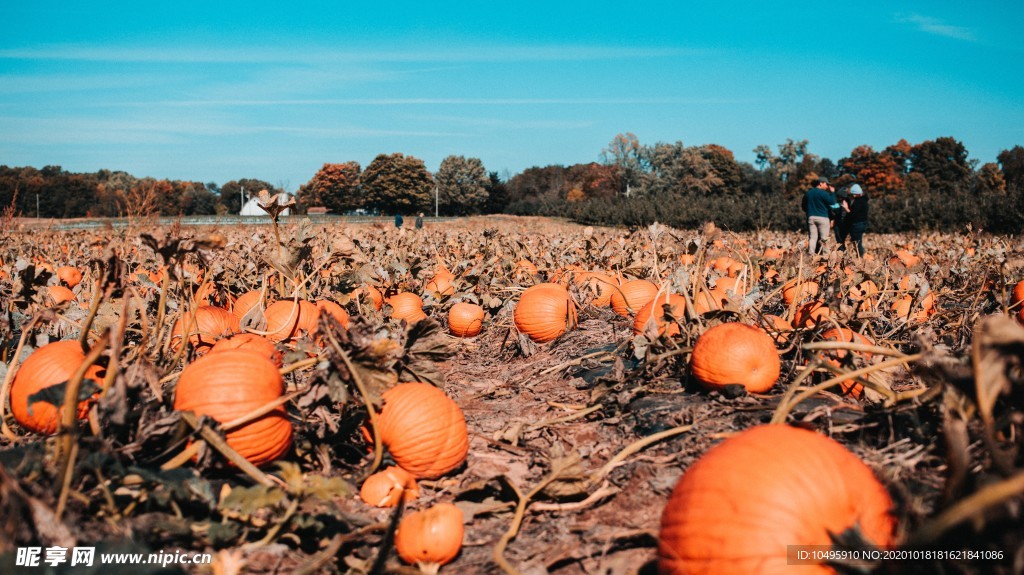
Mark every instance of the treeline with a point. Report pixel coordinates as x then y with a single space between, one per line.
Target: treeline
931 184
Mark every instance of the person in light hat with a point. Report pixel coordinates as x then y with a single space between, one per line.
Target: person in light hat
856 220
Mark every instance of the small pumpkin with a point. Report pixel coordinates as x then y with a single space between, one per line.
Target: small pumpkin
903 257
407 306
708 300
811 314
777 327
430 538
210 324
423 429
371 293
52 364
798 290
1017 296
441 284
335 310
251 342
544 312
632 295
231 384
69 275
598 285
925 308
655 310
245 302
735 353
59 294
386 488
746 499
289 320
465 319
838 356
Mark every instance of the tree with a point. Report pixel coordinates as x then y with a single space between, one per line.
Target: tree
725 167
497 194
335 187
989 180
678 170
461 185
790 165
1012 164
229 192
626 154
876 172
533 185
943 162
397 183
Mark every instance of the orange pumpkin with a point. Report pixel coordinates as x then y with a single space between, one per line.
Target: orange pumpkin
811 314
430 538
708 300
836 357
441 284
901 308
1017 296
776 326
739 507
288 320
49 365
632 295
245 302
211 323
386 488
59 294
231 384
465 319
423 429
525 265
69 275
251 342
373 294
655 309
544 312
773 253
735 353
598 285
905 258
798 291
338 312
407 306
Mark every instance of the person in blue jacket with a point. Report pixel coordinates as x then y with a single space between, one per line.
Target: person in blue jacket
820 205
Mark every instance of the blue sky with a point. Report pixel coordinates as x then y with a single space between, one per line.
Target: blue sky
216 91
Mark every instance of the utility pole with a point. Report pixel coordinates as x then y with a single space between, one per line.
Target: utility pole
436 193
241 199
37 205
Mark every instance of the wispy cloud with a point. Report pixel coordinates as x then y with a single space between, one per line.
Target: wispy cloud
937 27
265 55
444 102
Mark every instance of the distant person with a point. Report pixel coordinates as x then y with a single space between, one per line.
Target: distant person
842 227
399 221
857 219
820 205
419 221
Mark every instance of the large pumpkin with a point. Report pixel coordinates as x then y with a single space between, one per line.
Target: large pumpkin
735 353
423 429
407 306
632 295
739 507
231 384
544 312
656 309
465 319
250 342
211 323
49 365
288 320
245 302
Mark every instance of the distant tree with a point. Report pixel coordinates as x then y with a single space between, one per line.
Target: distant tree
876 172
989 180
790 165
625 153
1012 164
396 183
724 165
462 185
497 194
593 180
535 184
900 154
943 162
678 170
335 187
229 192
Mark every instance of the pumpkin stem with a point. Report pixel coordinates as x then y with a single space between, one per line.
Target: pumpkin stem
428 568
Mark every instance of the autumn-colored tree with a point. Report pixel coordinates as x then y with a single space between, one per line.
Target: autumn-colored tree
593 180
877 172
535 184
724 165
626 153
461 185
678 170
396 183
989 180
1012 165
791 165
943 162
334 186
900 154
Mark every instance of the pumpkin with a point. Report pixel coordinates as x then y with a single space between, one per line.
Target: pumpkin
290 320
600 286
251 342
773 253
544 312
866 293
69 275
430 538
440 285
373 294
335 310
729 284
1017 296
837 356
798 291
465 319
728 265
735 353
811 314
525 265
423 429
632 295
231 384
59 294
708 300
52 364
746 499
211 323
904 258
407 306
245 302
776 326
655 309
386 488
901 308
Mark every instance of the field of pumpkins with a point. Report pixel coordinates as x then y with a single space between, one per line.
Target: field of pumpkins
512 395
